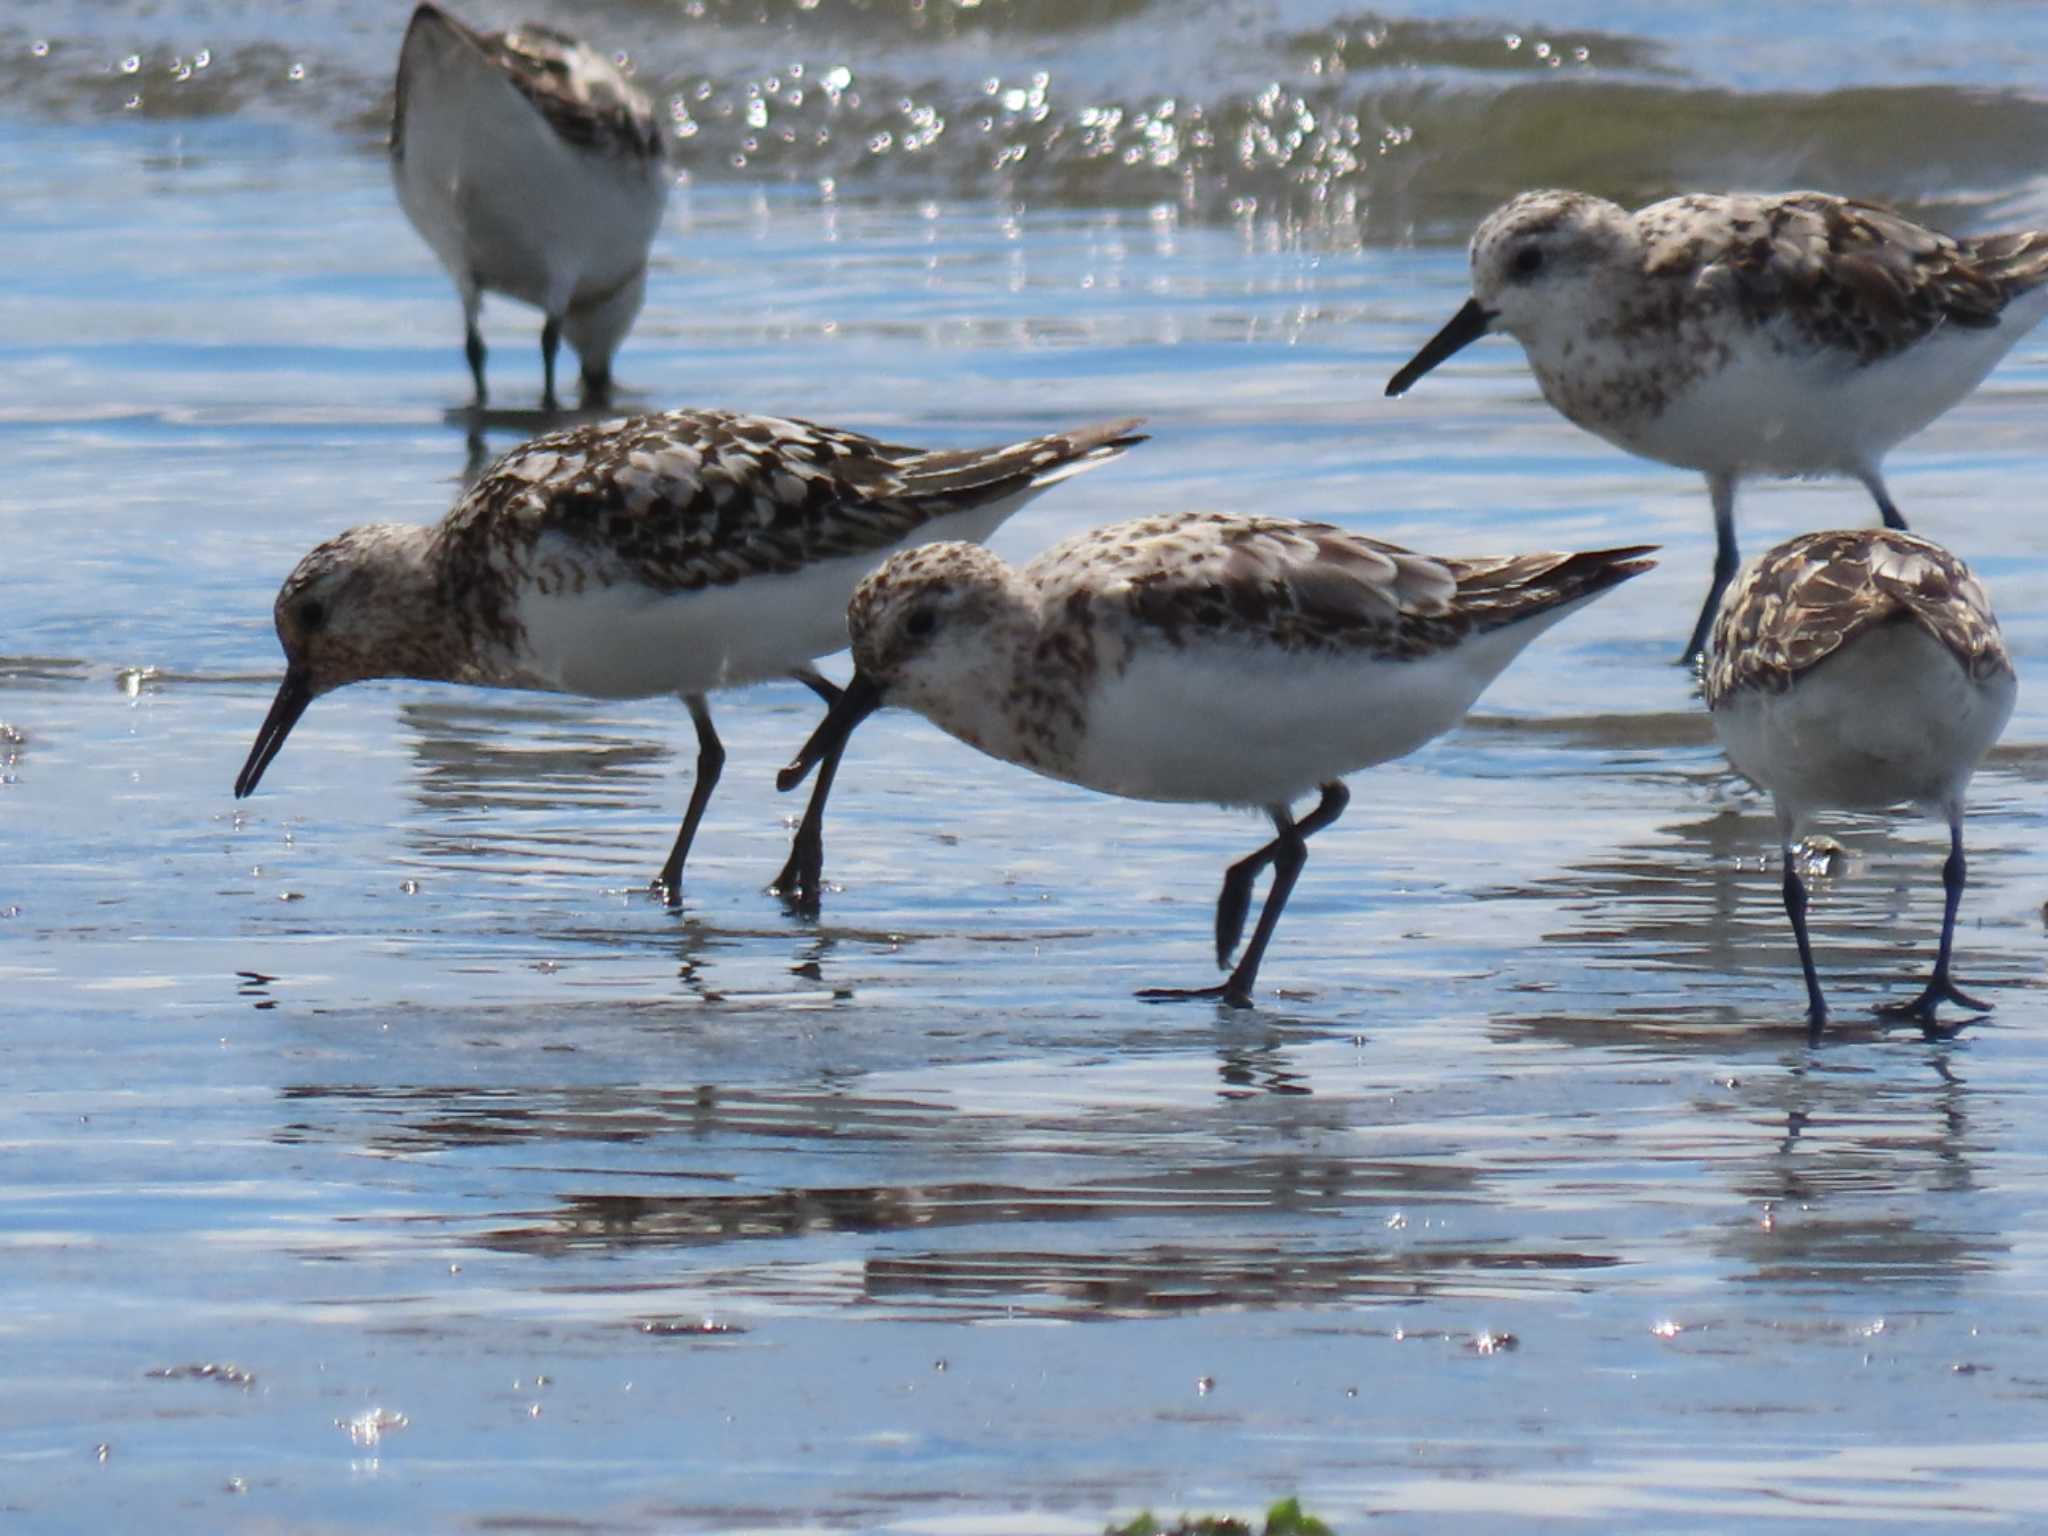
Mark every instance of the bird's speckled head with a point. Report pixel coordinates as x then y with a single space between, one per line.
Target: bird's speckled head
359 606
355 608
1536 258
935 629
925 624
1543 269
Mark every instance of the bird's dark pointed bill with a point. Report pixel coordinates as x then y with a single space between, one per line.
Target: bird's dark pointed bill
1464 328
860 699
293 695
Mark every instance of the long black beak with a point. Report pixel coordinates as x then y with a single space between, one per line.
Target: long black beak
1464 328
860 699
293 695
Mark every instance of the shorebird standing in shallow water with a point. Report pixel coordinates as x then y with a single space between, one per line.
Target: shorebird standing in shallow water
1853 671
1799 334
534 169
676 553
1245 661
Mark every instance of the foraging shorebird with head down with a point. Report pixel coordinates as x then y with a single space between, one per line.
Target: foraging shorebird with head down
677 553
1237 660
535 169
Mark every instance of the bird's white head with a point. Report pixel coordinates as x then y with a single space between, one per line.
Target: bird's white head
931 627
1537 263
1539 260
937 629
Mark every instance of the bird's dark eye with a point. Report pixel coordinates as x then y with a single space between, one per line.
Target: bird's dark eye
1528 261
312 614
922 622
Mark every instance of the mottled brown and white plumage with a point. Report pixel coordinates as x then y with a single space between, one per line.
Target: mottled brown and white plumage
1855 670
536 169
1214 657
1789 334
675 553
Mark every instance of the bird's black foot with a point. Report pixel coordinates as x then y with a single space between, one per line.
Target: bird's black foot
802 881
1921 1009
1229 993
1816 1022
669 888
800 885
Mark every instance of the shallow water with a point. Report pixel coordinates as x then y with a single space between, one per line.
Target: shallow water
377 1154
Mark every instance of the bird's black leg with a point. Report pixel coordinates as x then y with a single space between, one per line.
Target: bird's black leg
802 878
597 388
1236 901
1287 853
473 349
1795 908
1727 559
1874 483
1940 988
710 763
550 344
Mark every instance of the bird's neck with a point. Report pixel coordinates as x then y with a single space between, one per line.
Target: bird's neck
428 630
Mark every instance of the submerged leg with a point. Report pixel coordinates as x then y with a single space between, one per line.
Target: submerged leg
1287 853
710 763
803 877
550 344
1795 908
1940 988
473 345
1726 560
1873 482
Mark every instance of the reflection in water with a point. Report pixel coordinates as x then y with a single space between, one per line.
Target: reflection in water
483 753
1075 1275
1172 1279
545 787
412 1120
1704 898
527 782
29 672
1866 1184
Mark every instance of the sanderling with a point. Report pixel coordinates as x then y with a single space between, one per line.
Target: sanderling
677 553
1799 334
1240 660
535 169
1852 671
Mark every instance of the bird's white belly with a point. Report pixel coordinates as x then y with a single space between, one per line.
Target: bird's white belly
1239 725
626 640
1792 413
1889 720
499 198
